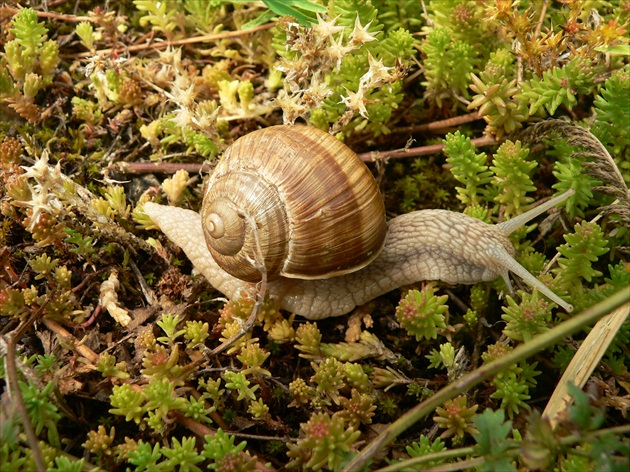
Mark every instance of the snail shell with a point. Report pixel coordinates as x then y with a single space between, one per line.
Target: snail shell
317 209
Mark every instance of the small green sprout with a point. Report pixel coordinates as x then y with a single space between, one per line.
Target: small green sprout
469 167
30 295
253 356
512 175
46 364
12 302
196 409
325 442
282 331
128 402
99 442
161 362
329 378
145 457
182 455
388 406
114 203
85 244
358 409
42 412
221 448
471 317
512 392
444 357
67 464
90 113
302 392
237 381
109 368
456 417
582 248
424 446
169 323
30 61
162 398
62 277
422 313
43 265
418 390
448 64
174 187
356 377
558 86
196 332
527 318
308 340
495 98
122 451
230 330
155 421
258 409
212 389
388 378
612 106
85 32
570 175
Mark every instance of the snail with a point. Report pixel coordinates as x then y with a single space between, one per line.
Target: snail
310 191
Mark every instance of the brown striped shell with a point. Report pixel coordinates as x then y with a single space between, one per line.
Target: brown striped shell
317 209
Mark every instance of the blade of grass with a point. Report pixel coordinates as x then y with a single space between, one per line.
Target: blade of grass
585 360
521 352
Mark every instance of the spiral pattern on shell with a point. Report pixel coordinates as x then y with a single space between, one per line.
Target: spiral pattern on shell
317 209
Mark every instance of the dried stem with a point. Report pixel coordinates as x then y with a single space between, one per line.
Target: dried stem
171 168
439 125
163 45
47 14
420 151
159 167
82 349
14 387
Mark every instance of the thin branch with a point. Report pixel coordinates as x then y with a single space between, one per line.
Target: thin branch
48 15
159 167
67 337
14 387
439 125
170 168
539 23
148 292
163 45
430 457
420 151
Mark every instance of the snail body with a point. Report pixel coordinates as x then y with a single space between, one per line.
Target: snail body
421 245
